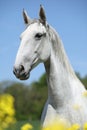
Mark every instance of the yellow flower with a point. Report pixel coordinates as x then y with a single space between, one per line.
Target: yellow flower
85 126
10 120
46 128
57 125
4 125
84 94
7 110
27 127
7 104
75 127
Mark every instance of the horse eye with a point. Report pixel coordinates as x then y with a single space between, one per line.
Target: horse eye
38 35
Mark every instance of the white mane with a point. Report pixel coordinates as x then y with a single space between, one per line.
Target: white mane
59 50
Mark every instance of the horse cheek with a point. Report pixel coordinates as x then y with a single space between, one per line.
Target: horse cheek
45 52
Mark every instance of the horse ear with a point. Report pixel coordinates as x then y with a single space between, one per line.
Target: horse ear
42 15
27 20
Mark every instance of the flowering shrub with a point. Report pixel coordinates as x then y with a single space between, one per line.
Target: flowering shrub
7 111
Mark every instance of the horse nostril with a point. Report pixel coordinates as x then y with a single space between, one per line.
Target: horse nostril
14 70
18 71
21 68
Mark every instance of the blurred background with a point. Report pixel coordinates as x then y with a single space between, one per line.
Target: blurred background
69 18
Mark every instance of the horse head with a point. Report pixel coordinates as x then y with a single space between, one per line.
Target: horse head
34 47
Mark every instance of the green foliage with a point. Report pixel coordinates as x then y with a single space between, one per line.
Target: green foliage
82 79
29 100
19 124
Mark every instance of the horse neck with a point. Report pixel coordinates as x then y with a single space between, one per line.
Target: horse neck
59 71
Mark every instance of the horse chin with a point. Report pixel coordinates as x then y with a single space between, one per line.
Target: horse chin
24 77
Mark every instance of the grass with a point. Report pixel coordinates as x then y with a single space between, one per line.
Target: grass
18 124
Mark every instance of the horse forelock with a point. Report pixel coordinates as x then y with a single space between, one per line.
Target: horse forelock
39 22
34 21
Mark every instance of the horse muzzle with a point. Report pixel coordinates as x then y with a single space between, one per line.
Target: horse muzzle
20 73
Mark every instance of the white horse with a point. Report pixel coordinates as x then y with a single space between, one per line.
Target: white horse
41 43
